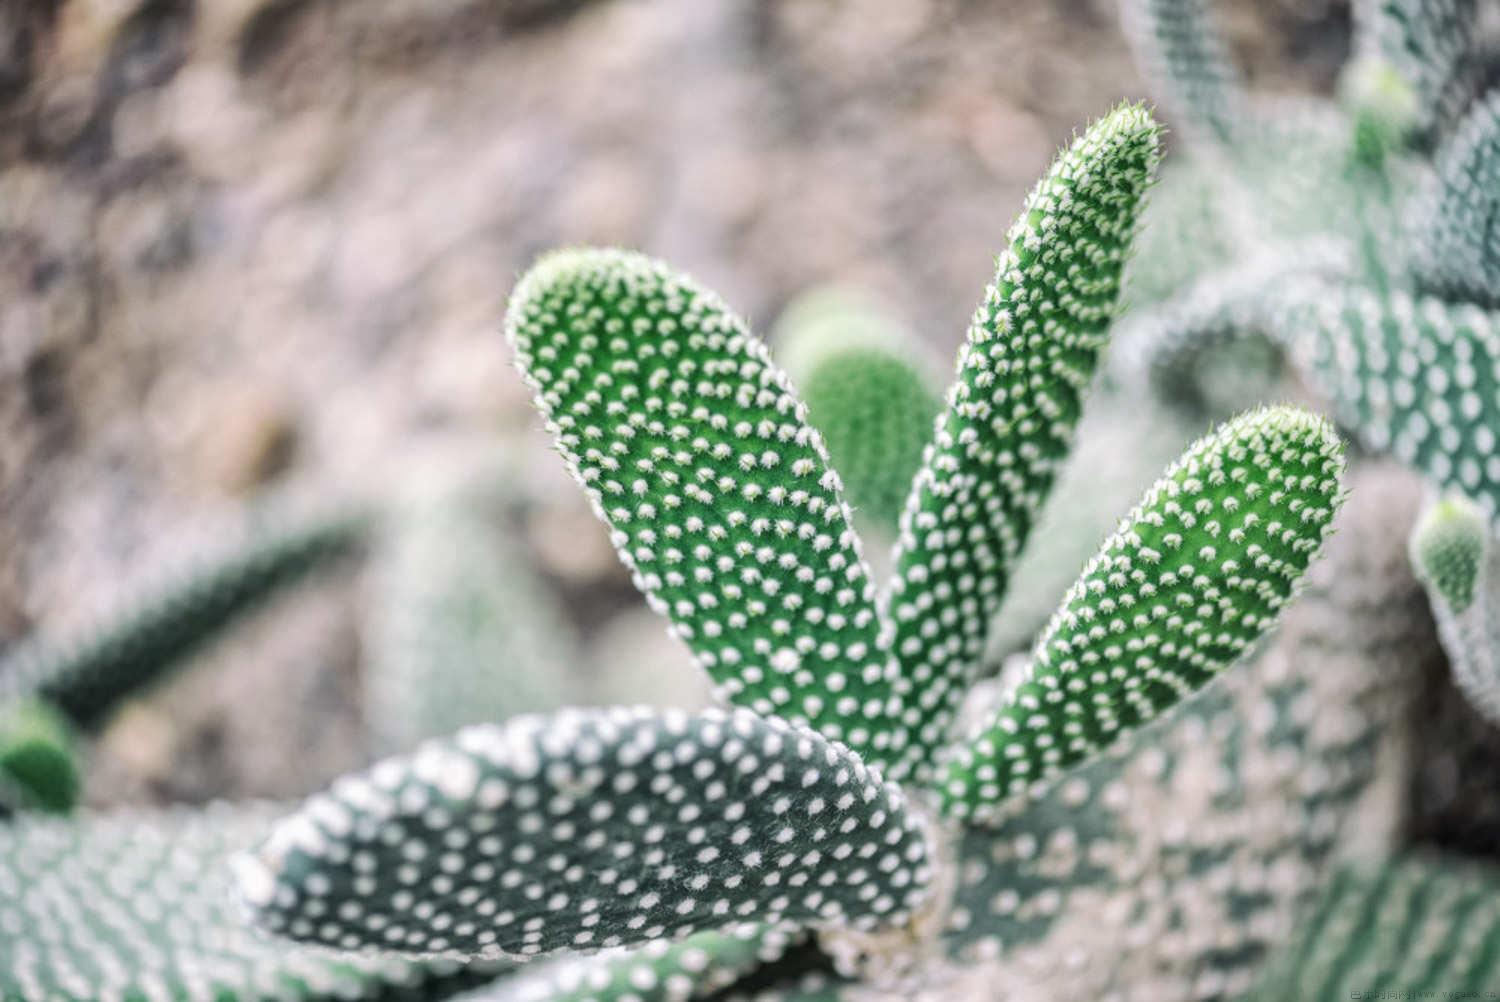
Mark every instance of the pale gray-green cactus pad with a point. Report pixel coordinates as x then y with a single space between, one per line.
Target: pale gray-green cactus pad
141 906
588 830
1194 576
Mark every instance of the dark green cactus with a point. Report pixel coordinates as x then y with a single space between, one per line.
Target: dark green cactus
38 758
86 676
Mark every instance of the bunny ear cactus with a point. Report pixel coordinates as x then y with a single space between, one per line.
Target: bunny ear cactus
1181 47
1192 578
138 906
1452 552
590 830
1452 222
869 400
38 759
86 677
1415 64
1417 927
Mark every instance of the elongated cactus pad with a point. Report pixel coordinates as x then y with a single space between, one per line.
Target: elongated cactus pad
459 630
86 677
1453 221
1181 48
1414 376
1025 365
868 399
589 830
1193 577
38 758
692 446
1419 927
1452 551
140 906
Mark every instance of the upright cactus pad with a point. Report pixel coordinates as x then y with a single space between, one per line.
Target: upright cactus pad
141 906
1022 373
589 830
1419 927
1415 60
866 396
1453 553
1453 223
1194 576
86 677
723 504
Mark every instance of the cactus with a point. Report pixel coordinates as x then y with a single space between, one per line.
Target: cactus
824 803
1451 551
870 402
1416 927
1182 52
139 905
87 676
458 630
1458 251
1415 64
38 759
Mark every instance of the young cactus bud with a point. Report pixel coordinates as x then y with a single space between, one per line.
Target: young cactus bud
1194 576
871 403
1452 223
589 830
1453 556
38 759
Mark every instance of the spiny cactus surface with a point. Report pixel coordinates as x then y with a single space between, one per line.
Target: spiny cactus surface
1180 46
1194 576
1418 927
1415 61
141 906
87 676
589 830
1024 368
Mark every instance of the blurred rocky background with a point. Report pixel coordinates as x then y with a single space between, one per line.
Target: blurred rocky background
251 246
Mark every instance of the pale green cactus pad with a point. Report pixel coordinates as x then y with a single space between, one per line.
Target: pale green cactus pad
1194 576
1418 927
1415 64
87 676
1452 223
588 830
141 906
1413 375
1181 49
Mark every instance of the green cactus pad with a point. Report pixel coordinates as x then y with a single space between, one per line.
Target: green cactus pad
699 967
460 630
870 402
38 758
1022 372
86 677
589 830
1194 576
1452 223
1449 547
1181 48
694 449
1416 928
1414 376
140 906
